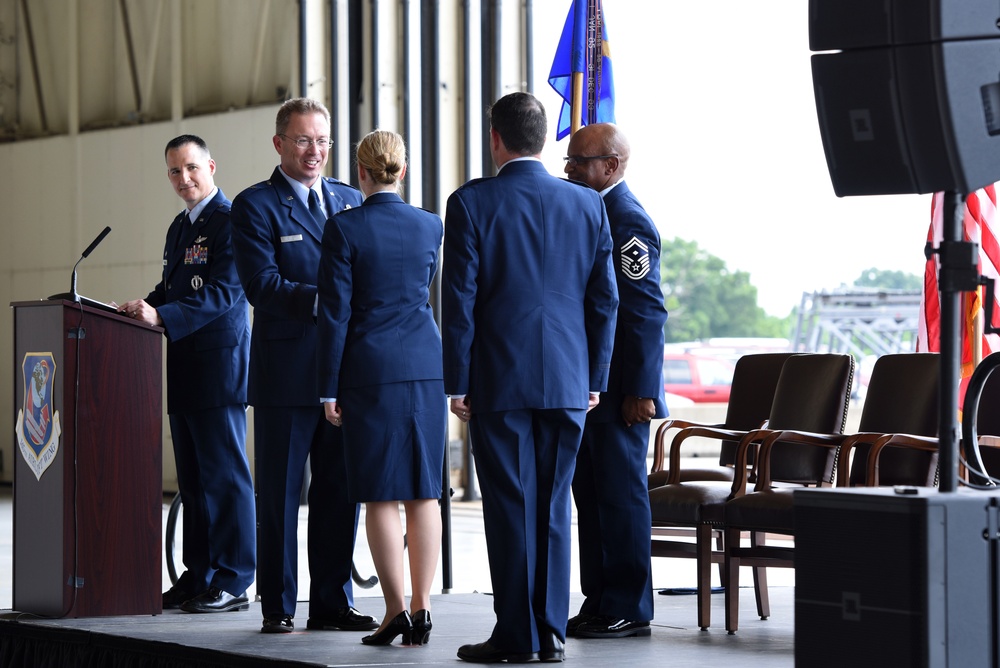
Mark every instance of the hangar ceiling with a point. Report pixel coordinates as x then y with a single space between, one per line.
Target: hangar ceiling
70 66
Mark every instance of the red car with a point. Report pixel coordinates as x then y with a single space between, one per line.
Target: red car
700 378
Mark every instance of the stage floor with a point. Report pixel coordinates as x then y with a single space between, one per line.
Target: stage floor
233 639
462 615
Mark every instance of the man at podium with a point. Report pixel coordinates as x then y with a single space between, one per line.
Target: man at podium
200 304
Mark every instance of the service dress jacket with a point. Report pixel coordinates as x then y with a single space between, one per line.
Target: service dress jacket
277 244
637 362
204 312
376 325
529 299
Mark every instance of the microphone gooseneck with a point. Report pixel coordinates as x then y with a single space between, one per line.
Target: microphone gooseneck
72 295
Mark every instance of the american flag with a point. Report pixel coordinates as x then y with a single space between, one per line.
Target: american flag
980 225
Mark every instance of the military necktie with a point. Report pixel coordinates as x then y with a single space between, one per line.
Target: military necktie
315 210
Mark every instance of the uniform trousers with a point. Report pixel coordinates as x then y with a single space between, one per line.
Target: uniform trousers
285 436
525 461
213 478
613 520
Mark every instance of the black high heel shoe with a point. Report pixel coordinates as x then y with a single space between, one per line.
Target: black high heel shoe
400 624
421 627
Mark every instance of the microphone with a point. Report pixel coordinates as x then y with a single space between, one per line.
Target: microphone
93 244
72 294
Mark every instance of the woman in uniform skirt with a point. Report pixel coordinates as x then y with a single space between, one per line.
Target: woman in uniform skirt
381 379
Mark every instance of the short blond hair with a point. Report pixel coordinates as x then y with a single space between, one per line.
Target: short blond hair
383 154
298 105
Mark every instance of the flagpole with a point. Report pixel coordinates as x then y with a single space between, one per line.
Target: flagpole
576 104
595 56
587 83
977 335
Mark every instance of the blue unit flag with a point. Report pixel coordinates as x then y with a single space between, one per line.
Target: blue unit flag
581 69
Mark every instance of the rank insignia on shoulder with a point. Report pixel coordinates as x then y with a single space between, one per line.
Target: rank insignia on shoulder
635 259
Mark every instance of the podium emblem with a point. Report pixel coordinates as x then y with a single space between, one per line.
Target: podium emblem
38 427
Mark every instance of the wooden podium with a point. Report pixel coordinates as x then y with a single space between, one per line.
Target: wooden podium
87 474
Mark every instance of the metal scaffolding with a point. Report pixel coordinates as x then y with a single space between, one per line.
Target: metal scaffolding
857 321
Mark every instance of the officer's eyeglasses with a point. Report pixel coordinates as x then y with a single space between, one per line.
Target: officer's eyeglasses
574 160
304 143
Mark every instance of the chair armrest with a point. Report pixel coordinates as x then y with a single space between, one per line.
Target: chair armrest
706 431
990 441
925 443
659 442
763 462
844 455
741 471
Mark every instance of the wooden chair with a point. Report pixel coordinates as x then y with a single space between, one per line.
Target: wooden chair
980 442
902 399
754 380
811 394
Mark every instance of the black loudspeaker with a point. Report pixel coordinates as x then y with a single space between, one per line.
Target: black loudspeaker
889 577
910 119
855 24
912 103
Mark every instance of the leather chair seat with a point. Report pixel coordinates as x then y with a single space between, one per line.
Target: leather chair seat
769 510
682 504
719 473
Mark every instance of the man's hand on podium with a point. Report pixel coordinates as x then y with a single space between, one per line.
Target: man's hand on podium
138 309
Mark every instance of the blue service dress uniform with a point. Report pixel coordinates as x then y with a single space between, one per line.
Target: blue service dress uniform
528 310
380 349
610 487
206 322
277 246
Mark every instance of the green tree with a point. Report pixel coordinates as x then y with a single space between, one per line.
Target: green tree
705 299
890 280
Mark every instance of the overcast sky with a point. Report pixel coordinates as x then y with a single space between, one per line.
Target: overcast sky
717 101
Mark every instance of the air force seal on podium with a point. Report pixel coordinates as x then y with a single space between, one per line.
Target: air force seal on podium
635 259
38 427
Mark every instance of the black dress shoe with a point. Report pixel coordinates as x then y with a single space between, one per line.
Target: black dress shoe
575 622
216 600
484 652
610 627
421 627
173 597
550 648
345 619
277 625
400 625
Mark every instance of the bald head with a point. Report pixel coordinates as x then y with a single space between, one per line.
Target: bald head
597 155
608 137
